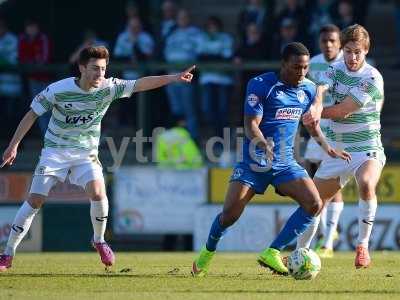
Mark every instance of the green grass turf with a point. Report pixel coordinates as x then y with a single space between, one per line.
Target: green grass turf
167 276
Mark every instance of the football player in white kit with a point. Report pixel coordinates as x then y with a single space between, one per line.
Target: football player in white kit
71 142
329 43
357 89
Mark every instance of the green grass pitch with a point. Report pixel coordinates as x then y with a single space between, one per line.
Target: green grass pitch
167 276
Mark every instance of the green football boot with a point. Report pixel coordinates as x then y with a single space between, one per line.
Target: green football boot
271 258
202 262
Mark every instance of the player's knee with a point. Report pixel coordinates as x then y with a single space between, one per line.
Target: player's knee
367 189
36 201
314 207
97 196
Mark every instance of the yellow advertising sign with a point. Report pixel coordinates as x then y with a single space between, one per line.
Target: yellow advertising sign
388 189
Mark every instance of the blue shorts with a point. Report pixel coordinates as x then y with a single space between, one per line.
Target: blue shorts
259 179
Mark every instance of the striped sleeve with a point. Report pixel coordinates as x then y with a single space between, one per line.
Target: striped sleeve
122 88
43 102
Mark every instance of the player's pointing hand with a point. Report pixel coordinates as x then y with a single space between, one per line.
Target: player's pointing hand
186 76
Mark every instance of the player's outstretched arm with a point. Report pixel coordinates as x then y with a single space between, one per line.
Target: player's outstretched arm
26 123
153 82
341 110
316 132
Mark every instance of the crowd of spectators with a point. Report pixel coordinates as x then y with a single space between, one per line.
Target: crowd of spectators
263 29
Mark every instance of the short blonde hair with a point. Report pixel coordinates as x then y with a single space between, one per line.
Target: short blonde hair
355 33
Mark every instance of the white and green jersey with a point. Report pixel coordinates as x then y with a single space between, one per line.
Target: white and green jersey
318 74
361 130
76 117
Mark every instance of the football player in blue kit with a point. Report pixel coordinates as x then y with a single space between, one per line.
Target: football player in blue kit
274 105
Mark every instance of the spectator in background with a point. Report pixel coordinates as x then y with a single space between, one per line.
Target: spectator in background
131 10
293 10
89 39
254 48
256 13
168 21
215 45
133 45
319 14
345 14
34 48
288 33
181 47
167 25
10 84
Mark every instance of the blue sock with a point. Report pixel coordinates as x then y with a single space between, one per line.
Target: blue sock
295 226
216 232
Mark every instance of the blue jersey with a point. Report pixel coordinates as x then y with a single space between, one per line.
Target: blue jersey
281 107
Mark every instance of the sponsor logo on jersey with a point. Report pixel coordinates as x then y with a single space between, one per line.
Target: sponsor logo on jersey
252 99
288 113
301 96
17 229
79 119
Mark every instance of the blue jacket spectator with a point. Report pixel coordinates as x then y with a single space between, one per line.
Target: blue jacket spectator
10 84
168 22
181 46
133 45
215 45
258 13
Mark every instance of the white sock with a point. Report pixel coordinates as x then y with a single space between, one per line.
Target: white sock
99 216
20 227
322 222
304 240
366 218
334 210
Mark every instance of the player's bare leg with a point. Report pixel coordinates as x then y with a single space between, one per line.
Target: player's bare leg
99 214
367 177
304 192
20 228
236 199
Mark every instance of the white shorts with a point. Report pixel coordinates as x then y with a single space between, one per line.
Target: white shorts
57 164
339 168
314 152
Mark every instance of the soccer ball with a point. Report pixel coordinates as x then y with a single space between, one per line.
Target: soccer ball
303 264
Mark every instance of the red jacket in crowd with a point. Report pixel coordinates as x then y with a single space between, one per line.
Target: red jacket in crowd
35 50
